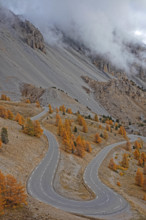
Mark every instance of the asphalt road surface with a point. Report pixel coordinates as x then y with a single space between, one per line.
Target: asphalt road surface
40 183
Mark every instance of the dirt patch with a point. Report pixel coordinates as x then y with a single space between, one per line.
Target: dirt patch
69 178
22 153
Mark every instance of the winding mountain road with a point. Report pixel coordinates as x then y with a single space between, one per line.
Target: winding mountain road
40 183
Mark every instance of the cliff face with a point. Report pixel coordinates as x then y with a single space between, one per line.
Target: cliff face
136 69
106 66
60 67
33 36
28 32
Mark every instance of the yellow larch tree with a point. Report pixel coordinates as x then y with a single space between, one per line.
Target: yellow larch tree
96 118
128 146
4 97
137 145
80 120
57 119
142 159
125 162
80 147
88 147
100 126
85 128
67 126
37 104
14 195
57 110
144 183
144 169
98 138
69 111
108 128
50 109
139 178
3 112
116 126
105 135
38 131
62 108
112 165
136 154
29 127
60 128
19 118
0 144
107 121
27 101
2 183
10 115
1 203
66 141
122 131
110 122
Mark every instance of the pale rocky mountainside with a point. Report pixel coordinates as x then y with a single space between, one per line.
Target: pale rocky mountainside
60 67
56 71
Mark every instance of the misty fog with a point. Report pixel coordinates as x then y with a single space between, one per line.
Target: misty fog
103 26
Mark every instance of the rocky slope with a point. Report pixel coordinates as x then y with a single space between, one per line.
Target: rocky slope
122 98
59 67
26 59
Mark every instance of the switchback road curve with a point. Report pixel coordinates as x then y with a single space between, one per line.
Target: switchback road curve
40 183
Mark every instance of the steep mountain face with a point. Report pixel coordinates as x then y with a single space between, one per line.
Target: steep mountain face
59 67
33 36
58 72
28 32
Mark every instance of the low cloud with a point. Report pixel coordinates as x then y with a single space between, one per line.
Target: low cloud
103 26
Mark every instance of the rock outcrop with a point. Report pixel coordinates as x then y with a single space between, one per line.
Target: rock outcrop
106 66
137 51
122 98
31 92
33 36
27 31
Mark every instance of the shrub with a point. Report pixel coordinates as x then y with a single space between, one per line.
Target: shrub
32 128
4 136
75 129
125 162
118 183
112 165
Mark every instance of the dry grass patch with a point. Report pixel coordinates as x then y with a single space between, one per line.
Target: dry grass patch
26 110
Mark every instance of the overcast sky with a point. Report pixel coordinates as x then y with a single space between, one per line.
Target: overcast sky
91 22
